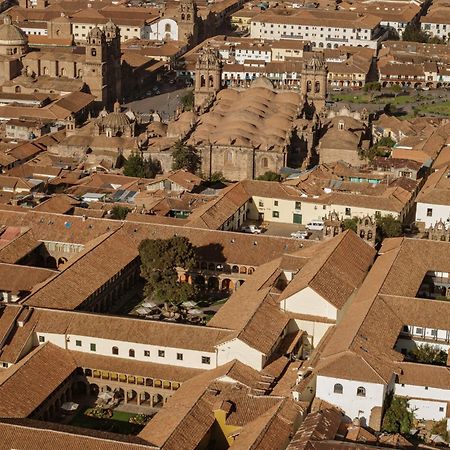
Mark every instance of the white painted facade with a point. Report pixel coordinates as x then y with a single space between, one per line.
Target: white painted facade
315 330
192 359
164 29
309 302
319 35
428 410
236 349
430 213
287 211
354 406
440 30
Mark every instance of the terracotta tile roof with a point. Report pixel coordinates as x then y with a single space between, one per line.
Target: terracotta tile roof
165 334
436 189
137 368
331 273
188 415
260 321
16 279
423 375
96 266
46 436
60 203
318 426
18 401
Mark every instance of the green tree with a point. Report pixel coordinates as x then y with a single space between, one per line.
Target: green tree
159 261
388 226
119 212
372 86
137 166
396 89
187 101
380 148
351 224
413 33
270 176
217 177
185 157
398 417
429 354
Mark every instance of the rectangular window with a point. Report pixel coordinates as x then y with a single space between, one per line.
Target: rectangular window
261 203
180 356
441 409
161 353
206 360
41 338
78 343
93 347
298 205
419 330
147 353
434 333
348 211
275 214
275 202
429 212
5 365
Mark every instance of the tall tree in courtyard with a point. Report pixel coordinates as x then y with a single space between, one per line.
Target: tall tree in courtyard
159 261
137 166
398 417
185 157
388 226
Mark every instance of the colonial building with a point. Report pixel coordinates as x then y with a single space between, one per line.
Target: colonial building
95 68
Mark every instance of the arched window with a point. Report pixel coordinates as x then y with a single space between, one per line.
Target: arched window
369 235
211 81
17 89
182 16
317 87
93 52
167 28
63 72
202 81
362 233
115 351
338 389
361 392
188 17
131 353
308 86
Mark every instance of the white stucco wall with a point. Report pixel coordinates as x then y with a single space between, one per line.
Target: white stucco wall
353 405
191 358
438 212
316 330
163 29
428 410
307 301
236 349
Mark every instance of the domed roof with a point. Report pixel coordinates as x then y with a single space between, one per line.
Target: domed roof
262 82
116 119
11 34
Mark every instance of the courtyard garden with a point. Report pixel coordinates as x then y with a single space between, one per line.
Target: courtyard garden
113 421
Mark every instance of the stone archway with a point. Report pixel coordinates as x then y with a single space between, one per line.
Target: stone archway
213 283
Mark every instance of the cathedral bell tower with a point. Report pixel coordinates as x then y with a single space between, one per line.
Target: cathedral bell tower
314 81
208 72
187 22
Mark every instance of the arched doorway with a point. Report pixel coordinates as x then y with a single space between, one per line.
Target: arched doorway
213 283
227 284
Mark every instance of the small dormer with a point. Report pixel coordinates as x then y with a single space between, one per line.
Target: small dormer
341 125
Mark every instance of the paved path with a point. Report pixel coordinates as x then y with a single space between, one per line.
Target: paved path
165 104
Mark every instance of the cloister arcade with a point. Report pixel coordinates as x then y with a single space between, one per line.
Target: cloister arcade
217 276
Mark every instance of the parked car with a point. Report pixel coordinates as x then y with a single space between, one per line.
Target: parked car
300 234
253 229
315 225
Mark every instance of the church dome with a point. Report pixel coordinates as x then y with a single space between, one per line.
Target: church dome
262 82
11 34
116 122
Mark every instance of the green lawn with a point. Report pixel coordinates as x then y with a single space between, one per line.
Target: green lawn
442 108
117 424
351 97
